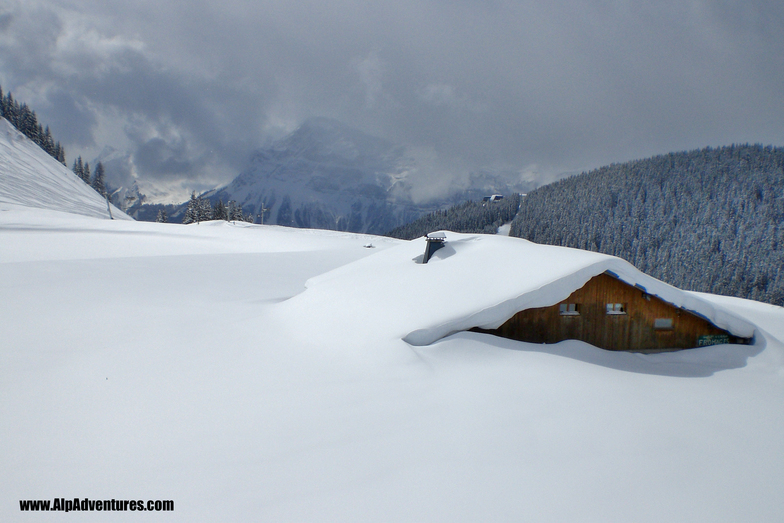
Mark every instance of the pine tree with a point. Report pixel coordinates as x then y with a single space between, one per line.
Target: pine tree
192 212
49 142
204 210
235 212
78 169
219 212
85 175
98 183
162 218
29 124
10 109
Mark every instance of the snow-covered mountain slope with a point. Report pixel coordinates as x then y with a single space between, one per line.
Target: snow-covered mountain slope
327 175
30 178
169 362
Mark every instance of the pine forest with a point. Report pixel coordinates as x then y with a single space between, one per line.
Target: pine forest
709 220
469 217
26 121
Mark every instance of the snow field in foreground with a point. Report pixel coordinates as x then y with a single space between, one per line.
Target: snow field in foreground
150 361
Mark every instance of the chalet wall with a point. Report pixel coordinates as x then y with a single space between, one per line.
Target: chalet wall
633 331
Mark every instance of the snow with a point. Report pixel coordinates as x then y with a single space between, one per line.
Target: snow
504 229
31 178
473 281
192 363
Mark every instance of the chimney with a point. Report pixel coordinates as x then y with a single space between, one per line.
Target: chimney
435 240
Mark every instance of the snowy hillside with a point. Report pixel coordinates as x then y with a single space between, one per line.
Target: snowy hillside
30 178
189 363
708 220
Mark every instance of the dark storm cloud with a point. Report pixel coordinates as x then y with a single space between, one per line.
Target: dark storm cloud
67 113
162 157
5 21
563 85
83 78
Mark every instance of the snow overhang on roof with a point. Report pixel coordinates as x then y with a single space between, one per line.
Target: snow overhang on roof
475 280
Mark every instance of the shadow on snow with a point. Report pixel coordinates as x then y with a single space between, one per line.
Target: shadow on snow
690 363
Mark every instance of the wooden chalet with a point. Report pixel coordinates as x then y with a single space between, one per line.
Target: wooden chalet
609 313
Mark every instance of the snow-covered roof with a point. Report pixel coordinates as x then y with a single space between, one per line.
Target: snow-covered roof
475 280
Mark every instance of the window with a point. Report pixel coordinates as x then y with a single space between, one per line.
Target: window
569 309
616 308
662 324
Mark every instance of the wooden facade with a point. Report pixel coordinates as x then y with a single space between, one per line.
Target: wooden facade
614 315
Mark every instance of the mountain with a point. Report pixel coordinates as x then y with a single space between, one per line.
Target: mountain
140 198
31 178
709 220
327 175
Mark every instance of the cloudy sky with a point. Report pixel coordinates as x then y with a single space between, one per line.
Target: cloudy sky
190 88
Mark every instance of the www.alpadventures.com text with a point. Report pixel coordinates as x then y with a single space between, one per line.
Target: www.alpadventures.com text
92 505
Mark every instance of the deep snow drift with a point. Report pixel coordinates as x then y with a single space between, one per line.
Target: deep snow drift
475 280
158 361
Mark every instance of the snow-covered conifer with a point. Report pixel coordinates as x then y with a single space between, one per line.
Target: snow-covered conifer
192 212
98 183
219 212
235 212
204 210
78 169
